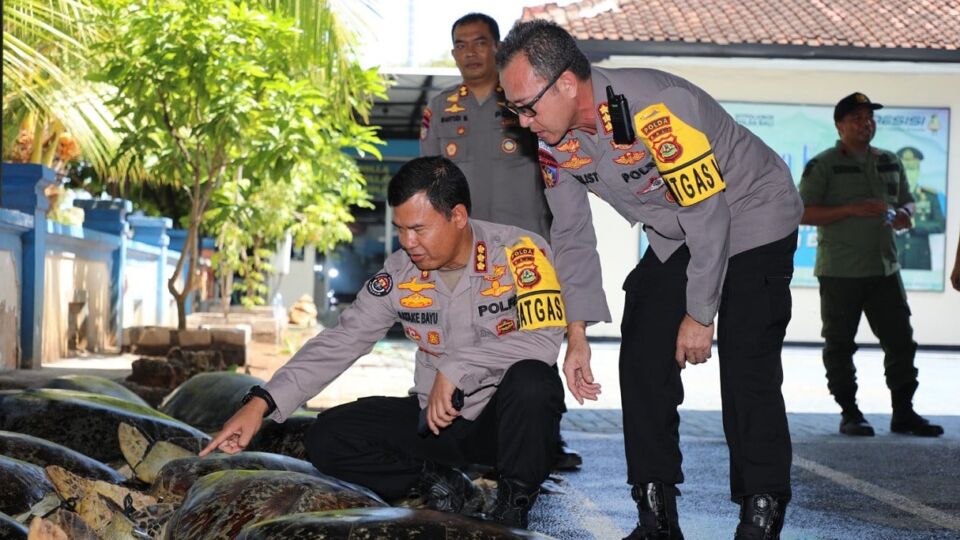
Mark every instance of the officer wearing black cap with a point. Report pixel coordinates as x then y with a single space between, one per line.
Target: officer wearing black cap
857 196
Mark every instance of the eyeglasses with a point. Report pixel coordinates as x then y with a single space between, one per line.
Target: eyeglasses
527 108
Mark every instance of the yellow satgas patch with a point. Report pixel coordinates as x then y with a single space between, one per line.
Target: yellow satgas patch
683 154
539 304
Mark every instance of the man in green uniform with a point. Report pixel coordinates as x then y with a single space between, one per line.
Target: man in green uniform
857 196
913 246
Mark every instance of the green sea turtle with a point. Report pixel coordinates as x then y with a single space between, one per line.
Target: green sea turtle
11 528
43 529
285 438
97 502
220 504
95 385
207 400
88 423
147 522
357 523
177 476
43 452
23 485
145 456
107 511
69 523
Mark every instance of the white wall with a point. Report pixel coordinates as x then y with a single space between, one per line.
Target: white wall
935 318
9 310
298 282
67 273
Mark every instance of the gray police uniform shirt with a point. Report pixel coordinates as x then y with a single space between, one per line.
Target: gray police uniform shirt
498 157
506 307
856 246
693 176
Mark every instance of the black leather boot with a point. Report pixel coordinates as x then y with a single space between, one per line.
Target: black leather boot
448 490
911 423
905 419
567 459
513 504
853 423
761 517
657 510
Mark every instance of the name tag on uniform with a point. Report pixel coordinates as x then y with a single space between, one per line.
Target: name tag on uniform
539 304
683 155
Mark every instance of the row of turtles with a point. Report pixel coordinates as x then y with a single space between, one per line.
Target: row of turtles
85 458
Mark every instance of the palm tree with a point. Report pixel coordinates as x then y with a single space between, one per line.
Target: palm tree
46 54
329 40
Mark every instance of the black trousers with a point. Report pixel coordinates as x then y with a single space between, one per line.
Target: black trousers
883 300
373 441
755 306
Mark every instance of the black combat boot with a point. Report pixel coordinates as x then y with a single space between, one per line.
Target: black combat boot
513 504
905 419
761 517
448 490
853 423
567 459
657 510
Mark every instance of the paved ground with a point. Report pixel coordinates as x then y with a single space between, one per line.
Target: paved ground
886 487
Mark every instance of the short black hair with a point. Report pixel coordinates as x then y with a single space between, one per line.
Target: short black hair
438 177
477 17
548 48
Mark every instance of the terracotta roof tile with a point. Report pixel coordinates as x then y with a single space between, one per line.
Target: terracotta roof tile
878 24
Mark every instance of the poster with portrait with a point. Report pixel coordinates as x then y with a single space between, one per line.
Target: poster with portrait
919 135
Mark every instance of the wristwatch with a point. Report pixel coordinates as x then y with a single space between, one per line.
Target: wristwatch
258 391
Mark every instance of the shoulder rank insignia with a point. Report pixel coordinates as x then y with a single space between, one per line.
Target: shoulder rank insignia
425 123
480 257
603 113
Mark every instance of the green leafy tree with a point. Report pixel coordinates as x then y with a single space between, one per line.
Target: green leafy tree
251 217
214 92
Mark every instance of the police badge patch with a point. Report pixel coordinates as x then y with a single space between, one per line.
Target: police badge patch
380 284
548 165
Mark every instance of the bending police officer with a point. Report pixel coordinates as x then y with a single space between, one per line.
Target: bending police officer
721 213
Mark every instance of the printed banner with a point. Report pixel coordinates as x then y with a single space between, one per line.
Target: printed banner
918 135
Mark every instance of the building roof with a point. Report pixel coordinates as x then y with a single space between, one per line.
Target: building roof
913 30
399 115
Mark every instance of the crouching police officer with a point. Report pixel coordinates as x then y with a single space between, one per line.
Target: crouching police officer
483 304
